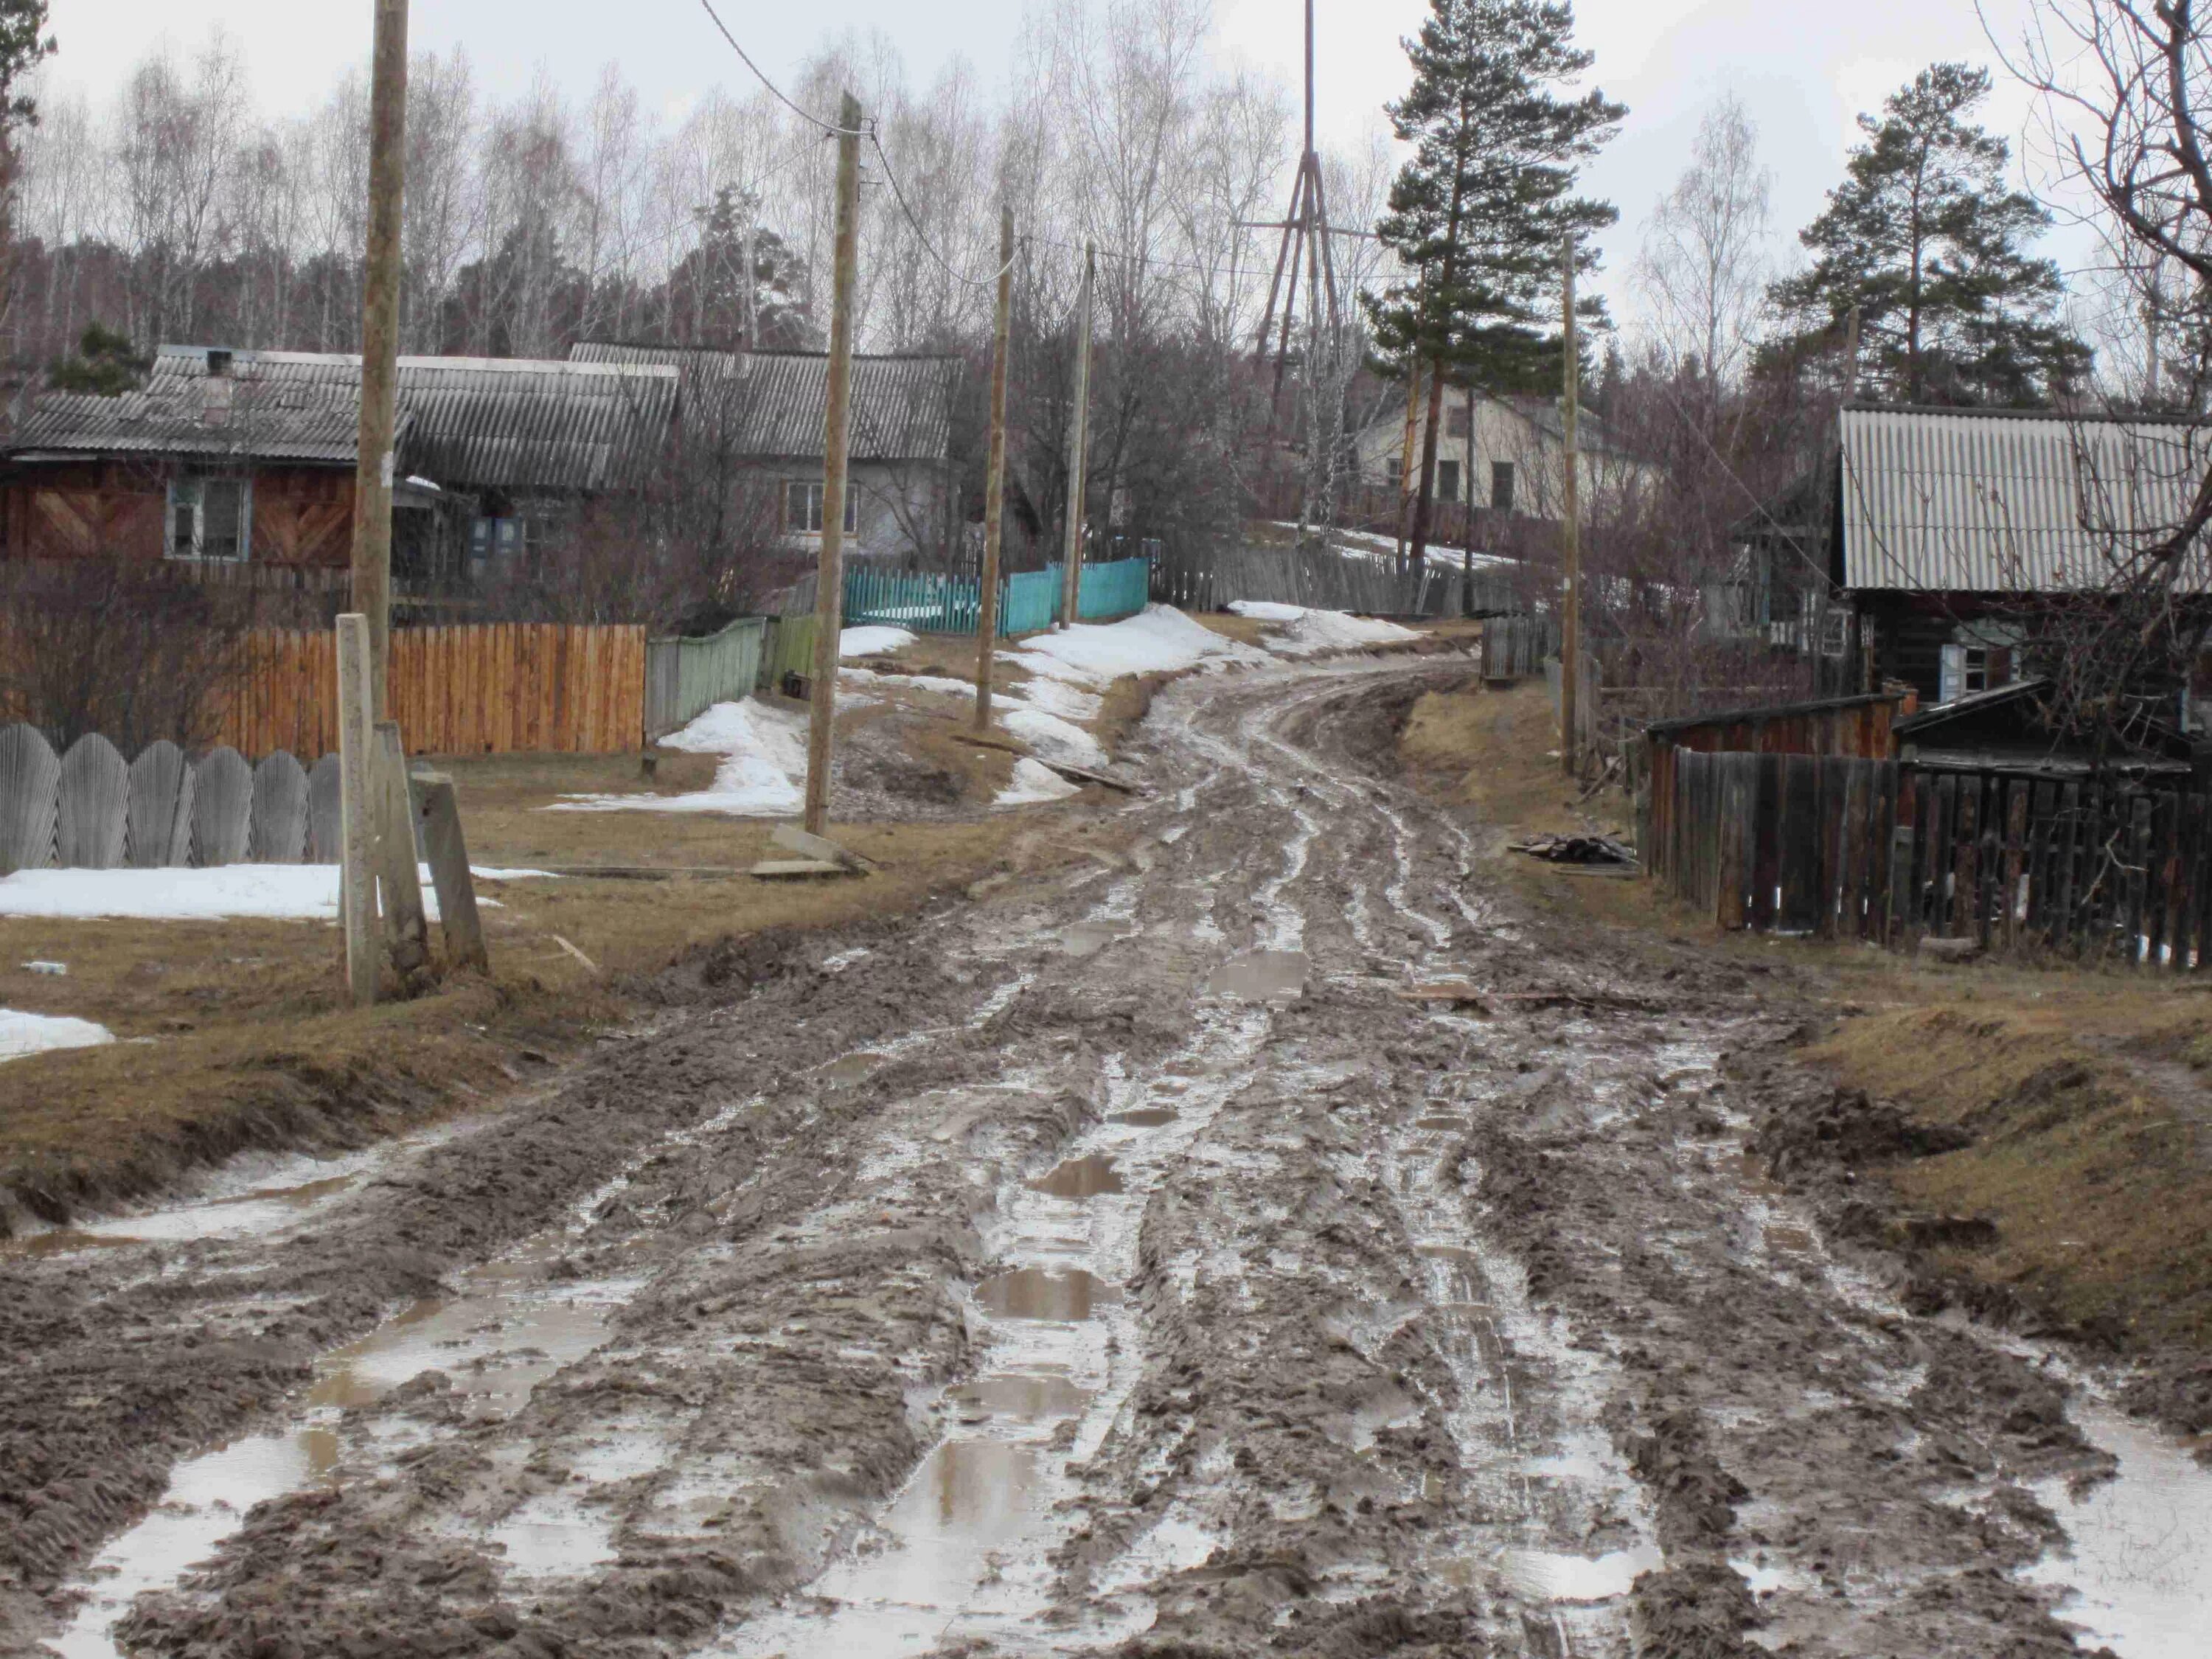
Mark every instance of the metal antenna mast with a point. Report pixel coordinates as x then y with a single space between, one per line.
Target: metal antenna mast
1306 238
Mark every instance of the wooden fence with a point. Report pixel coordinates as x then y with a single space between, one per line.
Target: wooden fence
1515 648
1210 579
2115 868
483 689
684 677
88 809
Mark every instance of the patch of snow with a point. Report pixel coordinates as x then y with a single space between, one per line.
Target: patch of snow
762 774
22 1034
1033 783
872 641
1057 697
1308 633
941 683
1053 737
1267 610
264 892
1157 639
55 969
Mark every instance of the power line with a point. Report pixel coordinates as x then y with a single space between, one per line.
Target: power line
890 178
804 115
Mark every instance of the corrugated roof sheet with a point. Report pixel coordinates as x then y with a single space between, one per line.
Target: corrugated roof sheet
1970 501
479 422
900 406
174 417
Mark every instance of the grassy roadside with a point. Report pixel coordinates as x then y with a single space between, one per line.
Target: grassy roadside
2085 1094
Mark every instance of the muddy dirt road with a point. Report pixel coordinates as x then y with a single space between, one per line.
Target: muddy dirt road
1117 1265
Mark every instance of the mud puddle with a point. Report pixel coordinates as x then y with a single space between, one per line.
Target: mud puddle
1081 1177
254 1196
1262 976
2138 1564
964 1553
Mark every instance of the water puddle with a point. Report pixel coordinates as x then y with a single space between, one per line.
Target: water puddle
1791 1241
2138 1560
1262 976
1061 1296
1543 1575
1437 1122
853 1067
506 1332
1145 1117
1087 938
1081 1177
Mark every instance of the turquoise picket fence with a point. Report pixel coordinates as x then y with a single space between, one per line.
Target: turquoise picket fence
1119 588
1028 601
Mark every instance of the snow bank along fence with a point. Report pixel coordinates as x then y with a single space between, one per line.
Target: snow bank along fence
485 689
1028 600
684 677
1895 852
1326 578
88 809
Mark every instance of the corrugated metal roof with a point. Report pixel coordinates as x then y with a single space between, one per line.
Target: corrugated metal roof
481 423
174 417
1968 501
900 406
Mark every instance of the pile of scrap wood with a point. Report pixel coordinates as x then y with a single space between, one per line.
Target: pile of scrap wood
1597 850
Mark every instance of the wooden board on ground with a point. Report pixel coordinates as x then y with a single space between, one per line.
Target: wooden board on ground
1067 770
799 869
805 844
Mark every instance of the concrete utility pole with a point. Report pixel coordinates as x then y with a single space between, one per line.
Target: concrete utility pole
829 571
1078 448
356 809
1571 625
379 342
995 489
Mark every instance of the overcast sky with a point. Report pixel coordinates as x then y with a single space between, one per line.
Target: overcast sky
1804 71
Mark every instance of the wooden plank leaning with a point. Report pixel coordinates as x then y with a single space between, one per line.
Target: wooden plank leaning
448 857
357 870
407 934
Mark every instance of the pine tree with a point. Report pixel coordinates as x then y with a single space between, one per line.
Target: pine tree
1481 210
1925 237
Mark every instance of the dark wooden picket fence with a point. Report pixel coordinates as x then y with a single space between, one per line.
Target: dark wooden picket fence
2119 869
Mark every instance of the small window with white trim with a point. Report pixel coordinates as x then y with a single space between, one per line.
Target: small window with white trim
209 519
802 509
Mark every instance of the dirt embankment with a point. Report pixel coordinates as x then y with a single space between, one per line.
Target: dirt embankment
2034 1142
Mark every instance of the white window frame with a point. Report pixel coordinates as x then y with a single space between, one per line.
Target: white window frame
802 507
191 488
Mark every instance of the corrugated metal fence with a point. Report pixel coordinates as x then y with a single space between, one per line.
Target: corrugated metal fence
2111 869
683 678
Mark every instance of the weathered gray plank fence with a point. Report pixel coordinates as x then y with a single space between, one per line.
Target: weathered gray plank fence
684 677
2113 869
1327 580
87 809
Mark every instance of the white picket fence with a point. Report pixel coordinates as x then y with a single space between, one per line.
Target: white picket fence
90 810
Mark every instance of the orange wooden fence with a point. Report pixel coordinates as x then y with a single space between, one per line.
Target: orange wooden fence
485 689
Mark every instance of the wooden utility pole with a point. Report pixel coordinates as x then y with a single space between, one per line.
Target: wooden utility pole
1571 621
1079 449
356 808
1409 482
830 570
995 489
379 340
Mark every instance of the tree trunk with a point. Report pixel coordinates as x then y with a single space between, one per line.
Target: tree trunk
1422 506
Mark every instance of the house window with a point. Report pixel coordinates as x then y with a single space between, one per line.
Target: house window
502 538
1501 486
1447 481
802 509
1970 666
209 519
1396 470
1455 420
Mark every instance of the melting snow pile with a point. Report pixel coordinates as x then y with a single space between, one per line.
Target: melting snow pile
1033 783
762 774
22 1034
1307 633
872 641
1157 639
260 892
1054 738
